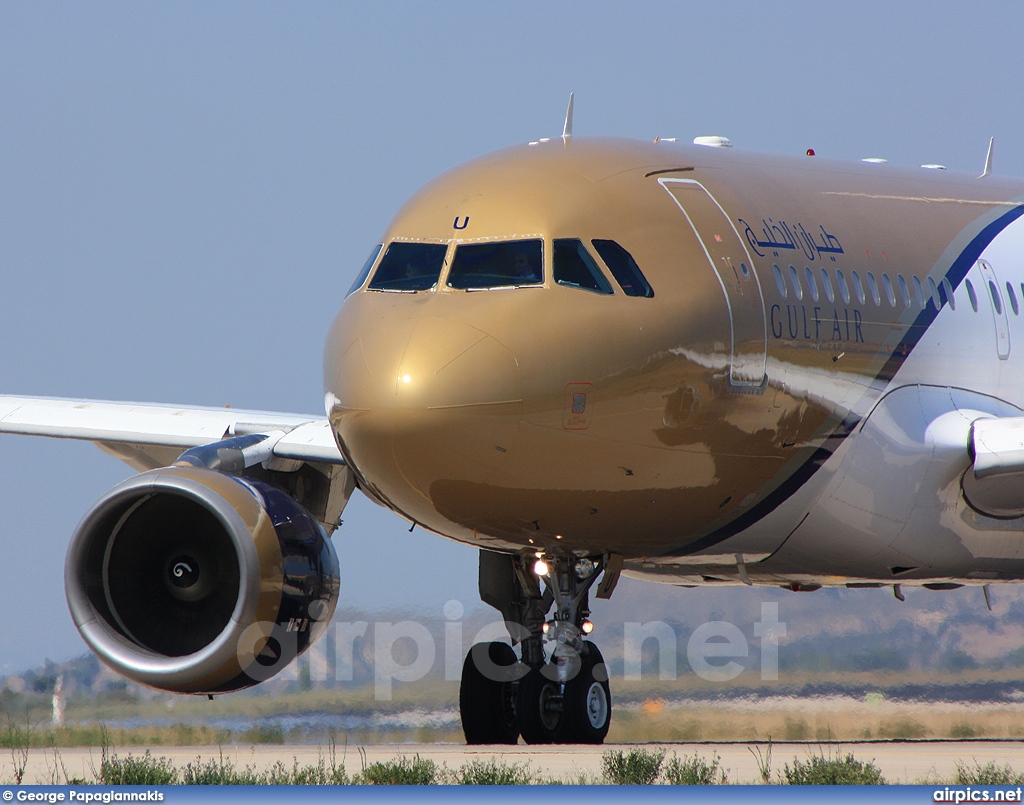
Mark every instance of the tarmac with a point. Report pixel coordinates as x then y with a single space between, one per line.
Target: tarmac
900 761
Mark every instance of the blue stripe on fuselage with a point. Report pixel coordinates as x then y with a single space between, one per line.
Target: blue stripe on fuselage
961 265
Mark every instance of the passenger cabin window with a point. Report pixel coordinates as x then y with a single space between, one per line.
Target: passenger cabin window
904 290
796 283
844 289
946 290
972 295
780 282
624 268
365 271
873 287
857 287
811 284
919 292
573 266
497 264
997 301
890 294
409 267
1012 296
827 285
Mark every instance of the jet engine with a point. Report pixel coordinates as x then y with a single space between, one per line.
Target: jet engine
194 581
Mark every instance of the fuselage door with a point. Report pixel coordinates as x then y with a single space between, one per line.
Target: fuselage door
731 263
995 296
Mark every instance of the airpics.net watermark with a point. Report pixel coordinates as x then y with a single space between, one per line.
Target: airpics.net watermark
408 651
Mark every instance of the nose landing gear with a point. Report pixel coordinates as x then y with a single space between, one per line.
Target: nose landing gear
565 699
588 699
577 711
487 695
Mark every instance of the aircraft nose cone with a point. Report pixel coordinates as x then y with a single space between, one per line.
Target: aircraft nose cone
426 401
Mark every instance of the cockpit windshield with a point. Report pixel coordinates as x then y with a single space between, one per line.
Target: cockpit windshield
497 264
624 268
365 272
409 267
573 266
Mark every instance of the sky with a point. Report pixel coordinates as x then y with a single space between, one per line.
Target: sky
187 190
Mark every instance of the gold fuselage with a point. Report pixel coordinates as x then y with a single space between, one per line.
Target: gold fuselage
455 408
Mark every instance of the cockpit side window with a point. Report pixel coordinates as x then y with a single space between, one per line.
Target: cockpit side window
624 268
409 267
497 264
365 271
576 268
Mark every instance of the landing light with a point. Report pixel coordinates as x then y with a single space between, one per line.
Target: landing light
406 379
586 627
540 567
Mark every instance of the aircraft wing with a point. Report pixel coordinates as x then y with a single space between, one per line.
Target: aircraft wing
147 436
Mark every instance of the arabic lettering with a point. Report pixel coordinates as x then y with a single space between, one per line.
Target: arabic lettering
780 235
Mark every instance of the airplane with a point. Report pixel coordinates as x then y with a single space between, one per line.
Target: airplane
588 357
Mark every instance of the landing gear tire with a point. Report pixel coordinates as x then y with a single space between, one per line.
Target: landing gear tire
587 704
487 695
539 709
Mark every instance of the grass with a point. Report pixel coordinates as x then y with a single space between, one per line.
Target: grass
494 772
841 770
764 761
19 742
819 769
426 694
218 771
652 721
191 735
400 771
136 770
148 770
694 771
97 734
648 767
635 767
989 774
827 719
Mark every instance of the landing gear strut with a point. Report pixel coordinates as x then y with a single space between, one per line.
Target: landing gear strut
558 692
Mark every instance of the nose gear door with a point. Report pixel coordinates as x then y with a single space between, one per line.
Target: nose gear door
731 263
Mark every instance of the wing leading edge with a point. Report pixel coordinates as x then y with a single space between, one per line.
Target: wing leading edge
144 435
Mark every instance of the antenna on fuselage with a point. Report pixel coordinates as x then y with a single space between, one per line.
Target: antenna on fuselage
988 159
567 128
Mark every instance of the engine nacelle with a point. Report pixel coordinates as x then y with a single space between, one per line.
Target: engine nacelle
194 581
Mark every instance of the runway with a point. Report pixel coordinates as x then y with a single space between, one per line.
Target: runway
899 761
